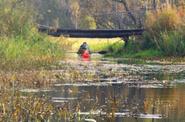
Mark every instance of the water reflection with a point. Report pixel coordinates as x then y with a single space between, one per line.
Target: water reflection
167 103
125 92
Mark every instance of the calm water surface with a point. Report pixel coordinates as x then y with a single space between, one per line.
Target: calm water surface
145 93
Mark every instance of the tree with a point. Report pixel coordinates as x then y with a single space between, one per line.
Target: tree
17 18
88 22
107 14
75 12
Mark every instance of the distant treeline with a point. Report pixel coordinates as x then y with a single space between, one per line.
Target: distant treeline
97 14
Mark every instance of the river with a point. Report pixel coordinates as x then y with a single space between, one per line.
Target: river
120 90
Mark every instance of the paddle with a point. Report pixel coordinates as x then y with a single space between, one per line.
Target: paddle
100 52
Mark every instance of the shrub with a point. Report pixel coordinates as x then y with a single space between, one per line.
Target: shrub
16 18
165 31
18 53
116 47
172 43
167 19
21 46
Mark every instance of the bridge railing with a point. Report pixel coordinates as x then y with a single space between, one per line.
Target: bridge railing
79 33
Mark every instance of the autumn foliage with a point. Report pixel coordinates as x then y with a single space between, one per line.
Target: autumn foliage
165 30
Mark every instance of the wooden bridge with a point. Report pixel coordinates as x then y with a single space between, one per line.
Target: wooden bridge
77 33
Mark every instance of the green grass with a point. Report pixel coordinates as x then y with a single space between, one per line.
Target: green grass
16 53
150 53
21 46
96 44
164 37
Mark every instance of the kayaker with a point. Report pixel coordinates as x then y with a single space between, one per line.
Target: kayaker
84 48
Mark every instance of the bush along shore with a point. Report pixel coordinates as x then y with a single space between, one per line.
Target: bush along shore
163 37
21 46
24 52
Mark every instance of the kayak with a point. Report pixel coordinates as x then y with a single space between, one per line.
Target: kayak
86 54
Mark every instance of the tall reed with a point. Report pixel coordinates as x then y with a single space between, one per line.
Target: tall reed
165 31
21 46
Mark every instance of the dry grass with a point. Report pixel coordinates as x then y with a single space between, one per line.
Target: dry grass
95 44
165 31
166 19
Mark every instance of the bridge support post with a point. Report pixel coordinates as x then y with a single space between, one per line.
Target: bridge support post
125 39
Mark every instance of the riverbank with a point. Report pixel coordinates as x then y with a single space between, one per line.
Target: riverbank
19 54
163 37
114 48
147 56
21 45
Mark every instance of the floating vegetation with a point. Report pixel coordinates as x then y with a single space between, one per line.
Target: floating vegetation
77 91
123 114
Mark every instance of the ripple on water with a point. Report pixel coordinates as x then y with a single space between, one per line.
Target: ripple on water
62 99
35 90
129 88
90 84
122 114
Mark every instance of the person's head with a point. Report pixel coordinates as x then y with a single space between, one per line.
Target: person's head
84 42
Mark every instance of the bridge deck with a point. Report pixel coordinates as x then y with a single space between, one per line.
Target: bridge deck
90 33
